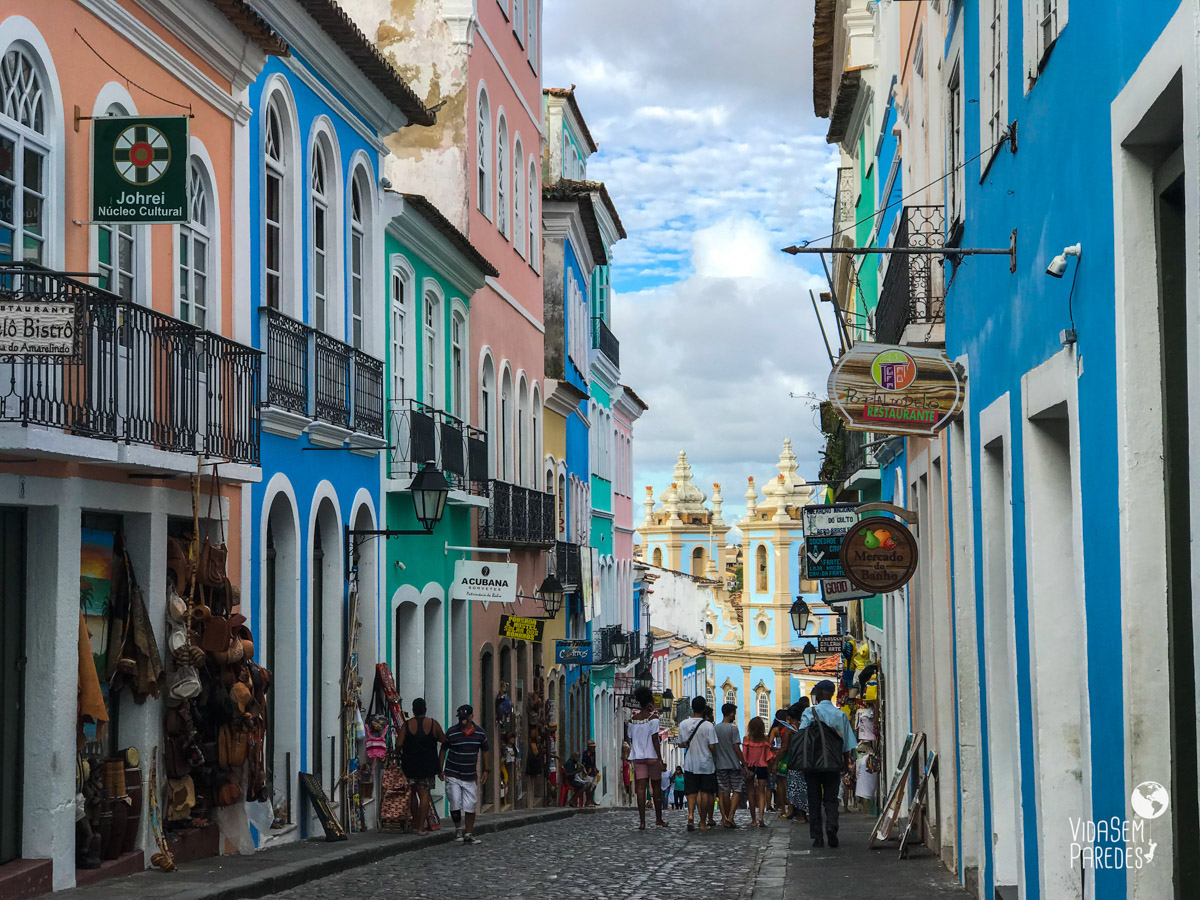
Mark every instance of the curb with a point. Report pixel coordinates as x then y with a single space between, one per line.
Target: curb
272 880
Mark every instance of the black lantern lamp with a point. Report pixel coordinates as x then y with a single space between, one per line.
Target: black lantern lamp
810 654
551 594
645 679
668 699
617 645
429 491
799 614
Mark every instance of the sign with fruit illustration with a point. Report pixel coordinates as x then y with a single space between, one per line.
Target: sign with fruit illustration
887 389
879 554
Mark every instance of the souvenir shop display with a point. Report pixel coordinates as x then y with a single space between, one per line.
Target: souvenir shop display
397 801
353 728
310 785
919 820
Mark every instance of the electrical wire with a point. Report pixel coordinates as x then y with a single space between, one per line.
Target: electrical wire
128 80
1004 139
1071 295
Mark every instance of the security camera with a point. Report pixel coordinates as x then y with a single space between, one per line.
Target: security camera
385 183
1058 265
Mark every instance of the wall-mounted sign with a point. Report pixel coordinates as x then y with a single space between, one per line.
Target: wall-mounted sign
40 327
835 518
879 554
830 643
895 390
521 628
822 557
585 582
573 652
840 590
140 169
485 582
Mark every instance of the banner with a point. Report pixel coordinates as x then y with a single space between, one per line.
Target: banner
585 581
140 169
521 628
573 652
595 584
485 582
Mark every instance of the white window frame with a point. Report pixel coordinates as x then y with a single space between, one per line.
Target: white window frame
320 214
993 78
535 436
532 20
460 345
358 300
402 354
955 109
483 152
486 420
518 22
274 169
502 198
433 344
27 139
1044 23
518 192
533 223
762 703
522 434
507 408
192 235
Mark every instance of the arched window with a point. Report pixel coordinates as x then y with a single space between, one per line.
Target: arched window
487 414
502 199
518 200
535 438
731 696
401 340
195 244
533 215
562 508
760 568
320 193
357 260
698 562
458 363
507 411
118 249
522 425
657 557
24 159
432 345
764 705
275 160
483 154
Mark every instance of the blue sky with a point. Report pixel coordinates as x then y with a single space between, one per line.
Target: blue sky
710 149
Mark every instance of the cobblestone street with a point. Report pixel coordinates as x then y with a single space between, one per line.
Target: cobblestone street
605 857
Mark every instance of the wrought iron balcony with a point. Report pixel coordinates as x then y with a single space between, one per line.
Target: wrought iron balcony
140 376
566 564
844 201
419 433
913 292
518 516
605 341
312 374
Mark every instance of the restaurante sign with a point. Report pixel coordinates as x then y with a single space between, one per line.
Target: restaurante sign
895 390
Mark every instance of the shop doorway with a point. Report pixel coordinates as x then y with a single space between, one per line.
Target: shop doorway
12 681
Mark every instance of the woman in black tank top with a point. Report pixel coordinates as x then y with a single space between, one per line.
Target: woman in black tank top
418 746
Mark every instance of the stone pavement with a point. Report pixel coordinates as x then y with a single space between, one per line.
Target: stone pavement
588 856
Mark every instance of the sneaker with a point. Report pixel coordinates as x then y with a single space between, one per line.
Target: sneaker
832 838
470 839
818 842
458 835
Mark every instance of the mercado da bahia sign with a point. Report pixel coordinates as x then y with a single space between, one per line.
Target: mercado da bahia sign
879 555
485 582
140 169
895 390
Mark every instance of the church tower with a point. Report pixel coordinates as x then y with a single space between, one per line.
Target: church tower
683 533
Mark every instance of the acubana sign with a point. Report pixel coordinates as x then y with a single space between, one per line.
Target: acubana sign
485 582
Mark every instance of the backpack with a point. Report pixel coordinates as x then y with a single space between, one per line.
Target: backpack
821 748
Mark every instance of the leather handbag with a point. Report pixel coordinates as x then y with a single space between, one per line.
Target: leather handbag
211 567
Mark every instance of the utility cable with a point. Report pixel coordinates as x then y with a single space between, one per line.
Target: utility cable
1004 139
128 80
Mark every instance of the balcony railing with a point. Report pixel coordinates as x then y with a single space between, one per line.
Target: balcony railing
140 376
844 202
312 374
913 291
605 341
518 516
420 433
566 564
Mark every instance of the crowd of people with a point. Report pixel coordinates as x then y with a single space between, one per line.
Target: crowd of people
793 767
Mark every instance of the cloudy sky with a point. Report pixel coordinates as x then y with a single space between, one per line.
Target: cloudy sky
710 149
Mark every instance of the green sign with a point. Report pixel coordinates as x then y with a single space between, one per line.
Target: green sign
139 169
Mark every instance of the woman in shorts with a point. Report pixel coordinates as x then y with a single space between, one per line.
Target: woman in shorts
645 754
756 750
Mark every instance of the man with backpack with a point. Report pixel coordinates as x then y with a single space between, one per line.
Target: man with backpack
826 740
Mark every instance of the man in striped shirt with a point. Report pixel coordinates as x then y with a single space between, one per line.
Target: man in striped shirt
465 742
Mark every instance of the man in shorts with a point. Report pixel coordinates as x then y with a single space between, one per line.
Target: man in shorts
731 767
699 739
465 743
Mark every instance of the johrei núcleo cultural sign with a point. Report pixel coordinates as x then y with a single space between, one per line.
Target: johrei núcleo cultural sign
895 390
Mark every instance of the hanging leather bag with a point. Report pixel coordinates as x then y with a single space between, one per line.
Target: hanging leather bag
211 567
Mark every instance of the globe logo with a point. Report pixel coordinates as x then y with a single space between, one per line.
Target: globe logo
1149 800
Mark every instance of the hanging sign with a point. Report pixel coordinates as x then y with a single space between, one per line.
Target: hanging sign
830 643
40 327
840 590
140 169
585 582
521 628
879 555
887 389
834 518
595 583
822 557
573 652
485 582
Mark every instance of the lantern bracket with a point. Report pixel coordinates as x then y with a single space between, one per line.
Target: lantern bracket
352 545
898 511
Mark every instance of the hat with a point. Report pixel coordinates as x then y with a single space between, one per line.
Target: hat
465 710
825 685
591 743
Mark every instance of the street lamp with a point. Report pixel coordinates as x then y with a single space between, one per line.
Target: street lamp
617 645
429 491
644 680
810 654
551 594
668 699
799 613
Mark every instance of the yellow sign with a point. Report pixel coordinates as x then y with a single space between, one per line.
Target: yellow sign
521 628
